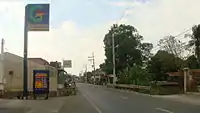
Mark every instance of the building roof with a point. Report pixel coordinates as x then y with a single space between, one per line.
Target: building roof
41 59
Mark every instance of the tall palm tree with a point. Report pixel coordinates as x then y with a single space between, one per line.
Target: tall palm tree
194 43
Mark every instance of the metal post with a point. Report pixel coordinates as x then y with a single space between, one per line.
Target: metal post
2 45
113 52
185 82
25 60
86 69
85 73
185 79
93 61
2 66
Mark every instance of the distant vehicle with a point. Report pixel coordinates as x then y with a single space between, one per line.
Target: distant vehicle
70 87
70 84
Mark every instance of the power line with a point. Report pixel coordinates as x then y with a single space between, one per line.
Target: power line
124 13
182 33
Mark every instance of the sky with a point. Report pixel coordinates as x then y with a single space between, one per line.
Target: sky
77 27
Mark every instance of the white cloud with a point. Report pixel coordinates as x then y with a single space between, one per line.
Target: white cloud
125 3
158 18
11 21
68 41
154 19
6 10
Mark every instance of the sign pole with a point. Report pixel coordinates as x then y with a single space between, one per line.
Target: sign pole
25 60
36 19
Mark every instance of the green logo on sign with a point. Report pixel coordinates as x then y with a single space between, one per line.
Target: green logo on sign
36 14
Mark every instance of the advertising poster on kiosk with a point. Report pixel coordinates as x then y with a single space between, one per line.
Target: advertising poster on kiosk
40 82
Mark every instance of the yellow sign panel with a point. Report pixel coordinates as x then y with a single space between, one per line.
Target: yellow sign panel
38 84
41 75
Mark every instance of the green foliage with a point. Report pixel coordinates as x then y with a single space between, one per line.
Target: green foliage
172 45
88 76
194 43
139 76
129 50
163 61
135 64
135 75
192 62
146 52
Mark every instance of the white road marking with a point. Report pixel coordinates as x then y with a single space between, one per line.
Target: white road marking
98 110
123 97
164 110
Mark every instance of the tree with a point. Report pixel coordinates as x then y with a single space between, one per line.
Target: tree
88 76
55 64
194 43
172 46
146 52
135 75
106 66
192 62
163 62
139 76
128 48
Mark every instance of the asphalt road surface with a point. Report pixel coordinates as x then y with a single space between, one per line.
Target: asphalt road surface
105 100
97 99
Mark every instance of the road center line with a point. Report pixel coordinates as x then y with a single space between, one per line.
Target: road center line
98 110
164 110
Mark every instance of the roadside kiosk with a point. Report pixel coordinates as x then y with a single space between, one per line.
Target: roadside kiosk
40 83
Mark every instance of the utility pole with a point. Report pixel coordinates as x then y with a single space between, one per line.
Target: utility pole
86 72
93 61
93 64
113 53
185 70
86 69
2 66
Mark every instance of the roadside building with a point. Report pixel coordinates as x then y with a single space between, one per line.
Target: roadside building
13 74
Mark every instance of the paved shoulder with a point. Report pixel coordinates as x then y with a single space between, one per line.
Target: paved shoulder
12 106
52 105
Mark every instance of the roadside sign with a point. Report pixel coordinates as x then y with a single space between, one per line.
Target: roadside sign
67 63
38 17
40 81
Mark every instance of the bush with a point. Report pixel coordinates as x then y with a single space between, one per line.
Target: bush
139 76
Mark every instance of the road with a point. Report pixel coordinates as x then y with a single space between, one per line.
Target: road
106 100
96 99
